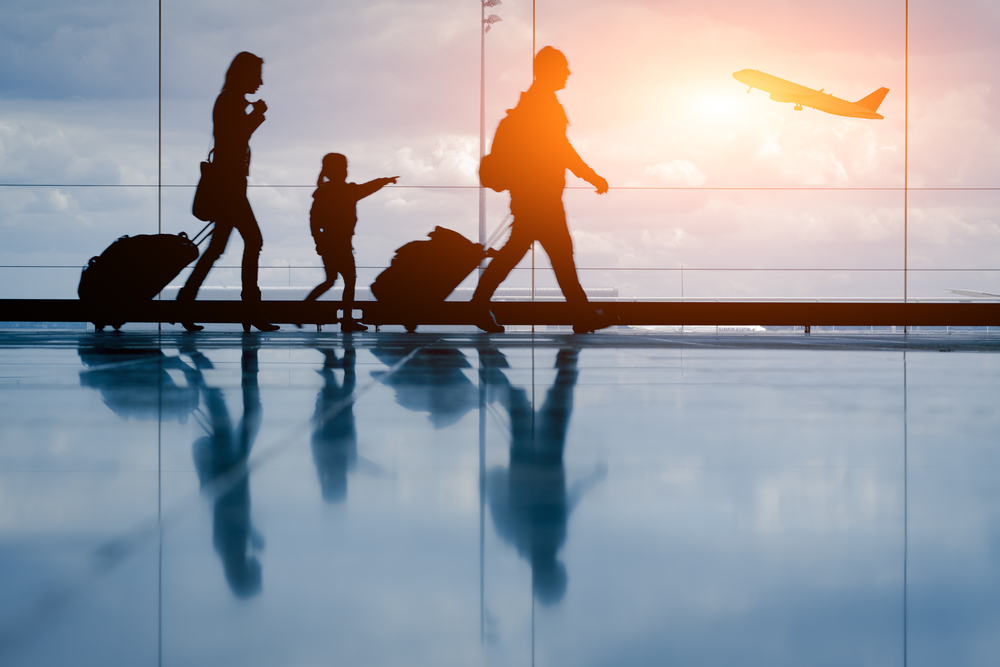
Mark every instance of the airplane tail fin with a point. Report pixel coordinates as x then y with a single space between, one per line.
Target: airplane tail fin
873 101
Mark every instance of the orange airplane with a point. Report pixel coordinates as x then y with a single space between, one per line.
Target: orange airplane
786 91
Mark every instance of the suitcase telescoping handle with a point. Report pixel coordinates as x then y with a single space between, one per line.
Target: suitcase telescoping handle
198 238
498 233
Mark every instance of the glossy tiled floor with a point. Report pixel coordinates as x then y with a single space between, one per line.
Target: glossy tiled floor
452 499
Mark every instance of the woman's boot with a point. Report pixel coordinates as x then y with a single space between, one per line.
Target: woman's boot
253 315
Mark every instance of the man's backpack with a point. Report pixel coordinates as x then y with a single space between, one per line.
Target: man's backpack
499 170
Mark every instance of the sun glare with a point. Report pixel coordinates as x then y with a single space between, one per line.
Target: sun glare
715 106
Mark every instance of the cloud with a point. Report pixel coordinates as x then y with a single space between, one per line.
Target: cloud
98 49
45 153
677 172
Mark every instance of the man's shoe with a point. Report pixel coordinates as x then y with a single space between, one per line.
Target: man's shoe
488 323
192 327
593 320
348 325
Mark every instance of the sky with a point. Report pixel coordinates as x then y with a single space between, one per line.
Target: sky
651 101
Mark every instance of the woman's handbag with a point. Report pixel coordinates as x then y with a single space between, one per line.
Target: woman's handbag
204 206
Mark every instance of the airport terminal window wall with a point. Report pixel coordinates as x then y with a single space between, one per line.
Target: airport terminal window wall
715 193
715 535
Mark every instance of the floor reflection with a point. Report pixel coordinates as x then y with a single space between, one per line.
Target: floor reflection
738 474
529 502
335 437
220 457
430 381
134 383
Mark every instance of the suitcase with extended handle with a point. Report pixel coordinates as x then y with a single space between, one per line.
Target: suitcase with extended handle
426 272
133 269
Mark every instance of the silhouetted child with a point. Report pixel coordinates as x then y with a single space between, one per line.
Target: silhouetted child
332 219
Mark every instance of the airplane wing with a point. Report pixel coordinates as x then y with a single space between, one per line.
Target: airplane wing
969 292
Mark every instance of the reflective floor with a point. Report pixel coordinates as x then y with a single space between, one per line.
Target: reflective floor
452 499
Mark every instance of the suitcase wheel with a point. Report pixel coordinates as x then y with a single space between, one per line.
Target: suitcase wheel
410 327
99 326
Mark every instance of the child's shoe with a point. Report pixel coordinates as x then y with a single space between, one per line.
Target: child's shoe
349 325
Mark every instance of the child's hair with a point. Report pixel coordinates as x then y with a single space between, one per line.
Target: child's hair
331 162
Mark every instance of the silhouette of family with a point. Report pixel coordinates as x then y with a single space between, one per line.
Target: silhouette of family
537 155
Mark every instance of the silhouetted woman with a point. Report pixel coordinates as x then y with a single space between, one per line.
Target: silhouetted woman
232 127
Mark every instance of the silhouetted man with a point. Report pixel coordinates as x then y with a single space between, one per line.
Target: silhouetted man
543 154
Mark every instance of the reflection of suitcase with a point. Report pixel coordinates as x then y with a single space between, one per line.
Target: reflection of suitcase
424 272
133 269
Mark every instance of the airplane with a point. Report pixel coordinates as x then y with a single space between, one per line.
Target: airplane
786 91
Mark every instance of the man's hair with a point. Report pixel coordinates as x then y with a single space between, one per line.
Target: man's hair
548 58
243 65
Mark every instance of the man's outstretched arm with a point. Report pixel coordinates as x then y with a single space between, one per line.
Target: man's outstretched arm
583 170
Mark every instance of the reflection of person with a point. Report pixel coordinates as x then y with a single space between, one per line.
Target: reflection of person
529 501
219 458
335 438
233 127
536 199
332 218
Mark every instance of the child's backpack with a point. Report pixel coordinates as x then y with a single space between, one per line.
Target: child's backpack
499 170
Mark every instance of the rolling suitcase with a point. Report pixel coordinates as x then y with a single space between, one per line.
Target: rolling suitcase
133 269
426 272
